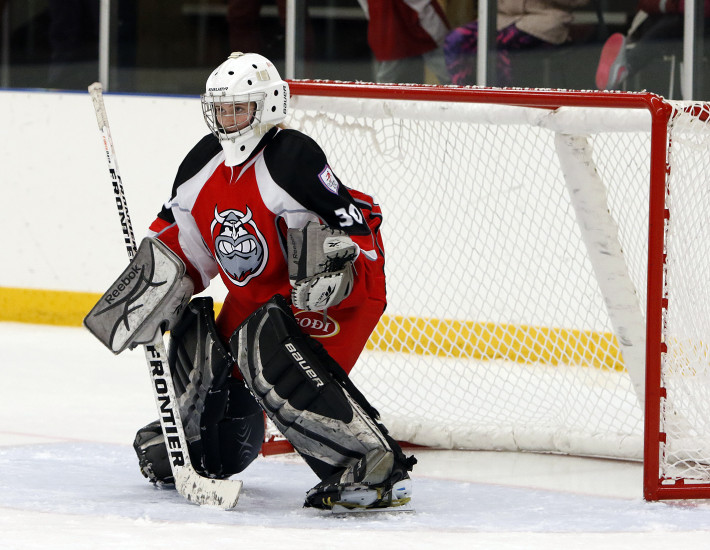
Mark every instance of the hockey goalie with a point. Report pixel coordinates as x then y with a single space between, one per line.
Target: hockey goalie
303 262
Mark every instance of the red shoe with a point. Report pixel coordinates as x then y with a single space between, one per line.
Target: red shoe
612 69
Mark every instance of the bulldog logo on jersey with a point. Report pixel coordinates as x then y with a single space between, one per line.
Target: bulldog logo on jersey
239 246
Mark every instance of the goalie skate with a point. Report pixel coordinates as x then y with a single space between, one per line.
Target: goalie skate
352 490
366 498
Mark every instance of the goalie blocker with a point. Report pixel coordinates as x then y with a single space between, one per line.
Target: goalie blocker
148 296
318 409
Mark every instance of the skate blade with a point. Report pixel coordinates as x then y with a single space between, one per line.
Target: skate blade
339 510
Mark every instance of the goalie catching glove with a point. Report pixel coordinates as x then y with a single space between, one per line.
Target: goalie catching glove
320 266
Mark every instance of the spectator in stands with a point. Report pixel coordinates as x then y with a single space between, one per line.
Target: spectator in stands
246 32
243 18
404 36
520 26
656 25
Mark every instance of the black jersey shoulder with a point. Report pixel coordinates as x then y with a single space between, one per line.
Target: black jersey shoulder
290 153
195 160
299 166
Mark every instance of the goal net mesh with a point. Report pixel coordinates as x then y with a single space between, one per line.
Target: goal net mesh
685 373
497 334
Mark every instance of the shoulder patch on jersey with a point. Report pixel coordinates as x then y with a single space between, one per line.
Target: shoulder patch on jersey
328 179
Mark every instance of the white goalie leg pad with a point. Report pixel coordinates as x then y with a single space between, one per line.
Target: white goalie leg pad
147 297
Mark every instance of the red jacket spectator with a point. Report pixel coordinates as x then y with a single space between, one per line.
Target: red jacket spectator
404 28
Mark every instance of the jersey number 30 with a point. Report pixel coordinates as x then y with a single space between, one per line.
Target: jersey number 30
349 217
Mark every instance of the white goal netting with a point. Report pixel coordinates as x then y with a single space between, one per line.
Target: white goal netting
516 247
685 373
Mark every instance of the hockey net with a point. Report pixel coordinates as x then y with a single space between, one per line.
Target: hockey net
545 250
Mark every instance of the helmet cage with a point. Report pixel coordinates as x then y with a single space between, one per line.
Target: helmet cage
214 105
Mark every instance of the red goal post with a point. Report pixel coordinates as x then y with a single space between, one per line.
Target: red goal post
542 268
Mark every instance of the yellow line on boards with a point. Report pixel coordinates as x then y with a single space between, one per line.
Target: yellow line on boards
403 334
45 307
48 307
486 341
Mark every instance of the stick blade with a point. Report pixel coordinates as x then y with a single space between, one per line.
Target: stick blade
221 493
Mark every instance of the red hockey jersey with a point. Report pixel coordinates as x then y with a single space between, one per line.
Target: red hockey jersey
232 221
404 28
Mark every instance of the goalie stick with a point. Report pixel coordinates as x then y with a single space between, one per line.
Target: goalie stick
191 485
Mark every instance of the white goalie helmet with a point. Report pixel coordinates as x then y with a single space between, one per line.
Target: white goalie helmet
244 98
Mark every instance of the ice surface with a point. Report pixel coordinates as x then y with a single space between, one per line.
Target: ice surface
68 479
